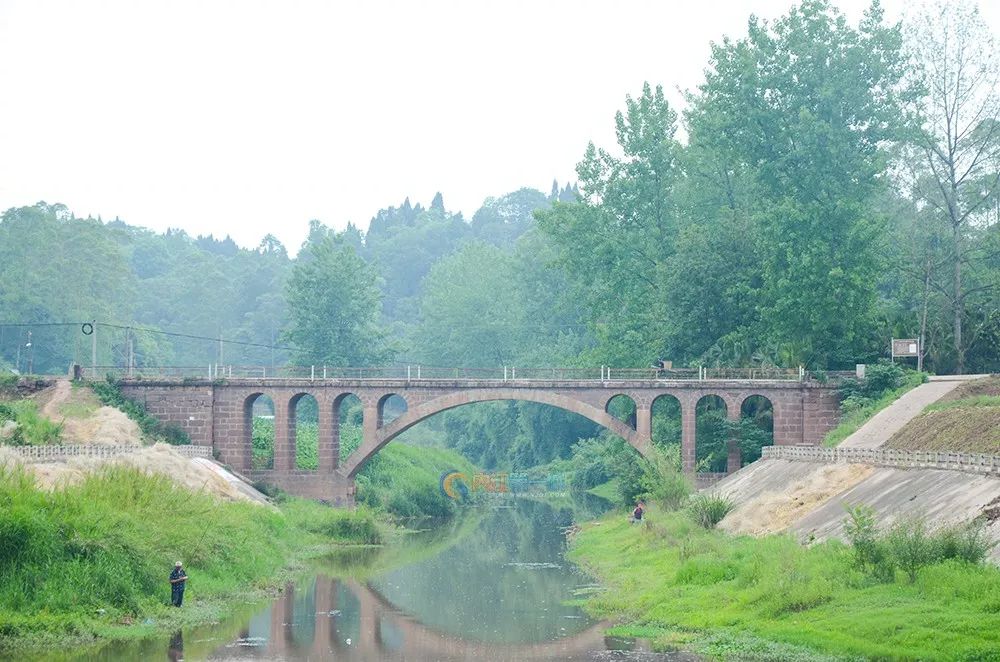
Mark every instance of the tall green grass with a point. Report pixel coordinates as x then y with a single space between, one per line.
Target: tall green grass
97 554
770 598
33 429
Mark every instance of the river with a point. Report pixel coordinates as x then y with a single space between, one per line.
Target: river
493 585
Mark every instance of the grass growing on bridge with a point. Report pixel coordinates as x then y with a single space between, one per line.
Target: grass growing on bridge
91 558
769 598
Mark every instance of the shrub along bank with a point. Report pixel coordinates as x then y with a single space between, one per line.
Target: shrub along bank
90 559
908 595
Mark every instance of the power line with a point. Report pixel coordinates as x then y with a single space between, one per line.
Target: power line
175 334
172 334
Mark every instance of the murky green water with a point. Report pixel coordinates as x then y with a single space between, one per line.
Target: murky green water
492 586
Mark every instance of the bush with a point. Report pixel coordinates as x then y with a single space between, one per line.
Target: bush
589 464
709 509
358 526
870 554
909 546
666 483
967 543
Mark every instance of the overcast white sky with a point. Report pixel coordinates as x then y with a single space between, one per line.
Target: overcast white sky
248 117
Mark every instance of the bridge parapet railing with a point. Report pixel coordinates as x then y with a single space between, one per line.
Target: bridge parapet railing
423 372
888 457
67 451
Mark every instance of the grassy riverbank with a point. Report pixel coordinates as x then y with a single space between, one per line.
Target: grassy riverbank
771 599
91 559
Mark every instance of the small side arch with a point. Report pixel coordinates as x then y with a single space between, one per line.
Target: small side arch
622 407
390 407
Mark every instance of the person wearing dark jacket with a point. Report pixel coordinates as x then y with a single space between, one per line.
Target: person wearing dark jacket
177 579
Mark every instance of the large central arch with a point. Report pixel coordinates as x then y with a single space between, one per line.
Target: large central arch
383 435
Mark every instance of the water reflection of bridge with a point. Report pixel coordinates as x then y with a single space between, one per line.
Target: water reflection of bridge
347 620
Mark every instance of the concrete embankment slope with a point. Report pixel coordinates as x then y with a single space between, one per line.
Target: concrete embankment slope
883 425
808 499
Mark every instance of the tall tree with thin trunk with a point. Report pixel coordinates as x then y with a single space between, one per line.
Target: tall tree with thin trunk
959 144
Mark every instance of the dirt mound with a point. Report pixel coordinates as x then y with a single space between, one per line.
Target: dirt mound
84 420
985 386
772 512
959 429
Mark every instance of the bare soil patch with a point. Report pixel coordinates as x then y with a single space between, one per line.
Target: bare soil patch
985 386
84 419
960 429
772 512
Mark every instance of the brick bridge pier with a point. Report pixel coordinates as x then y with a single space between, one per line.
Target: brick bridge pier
219 413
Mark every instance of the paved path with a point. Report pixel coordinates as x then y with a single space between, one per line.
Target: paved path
880 428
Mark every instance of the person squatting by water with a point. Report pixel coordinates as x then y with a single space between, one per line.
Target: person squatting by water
177 579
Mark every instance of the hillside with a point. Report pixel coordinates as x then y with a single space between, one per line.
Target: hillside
966 420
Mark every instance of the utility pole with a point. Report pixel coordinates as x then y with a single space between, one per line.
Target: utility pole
131 351
220 346
31 355
93 350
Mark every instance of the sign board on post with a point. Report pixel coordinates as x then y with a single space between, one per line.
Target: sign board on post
905 347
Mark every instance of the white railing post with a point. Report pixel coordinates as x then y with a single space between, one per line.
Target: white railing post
312 373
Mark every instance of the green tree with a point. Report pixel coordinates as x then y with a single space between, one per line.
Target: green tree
471 313
805 107
615 241
956 160
334 305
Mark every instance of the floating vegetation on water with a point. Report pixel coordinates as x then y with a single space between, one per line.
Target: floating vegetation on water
532 566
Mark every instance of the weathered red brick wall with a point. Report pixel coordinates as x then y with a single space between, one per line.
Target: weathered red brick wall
331 488
822 413
190 407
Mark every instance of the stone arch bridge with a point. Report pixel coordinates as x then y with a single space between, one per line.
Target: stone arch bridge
218 413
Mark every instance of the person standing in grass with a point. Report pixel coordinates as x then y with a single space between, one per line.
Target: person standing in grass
177 579
637 513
